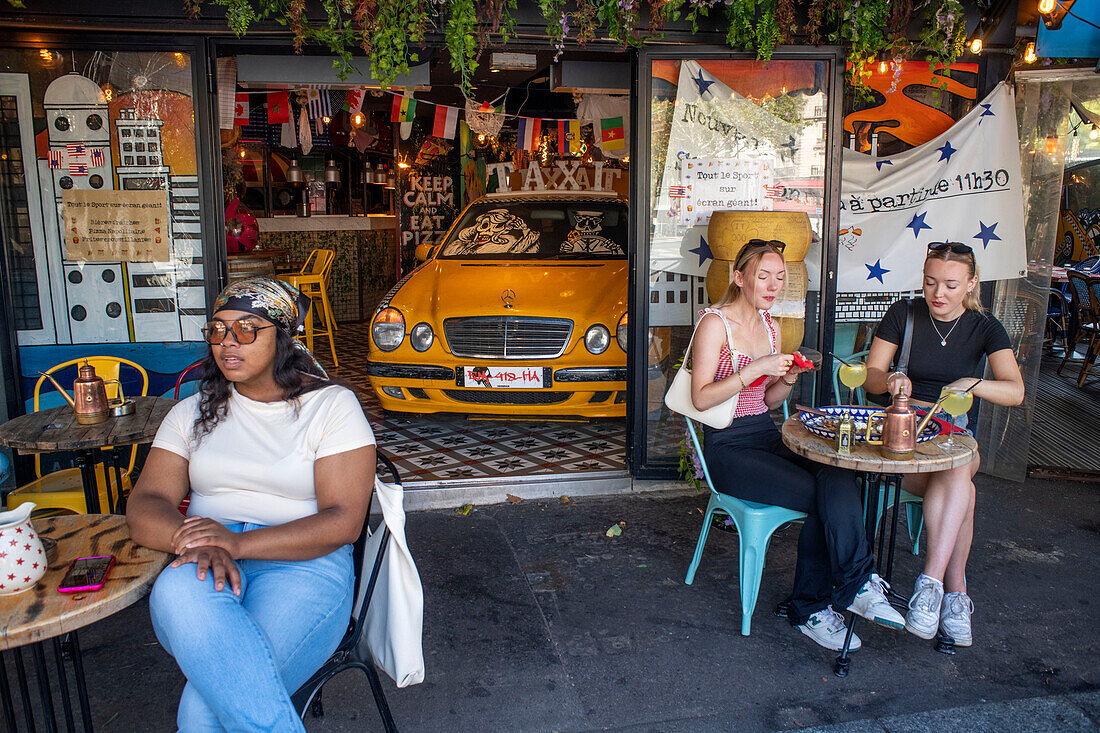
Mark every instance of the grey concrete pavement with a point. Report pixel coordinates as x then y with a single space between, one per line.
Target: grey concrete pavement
536 621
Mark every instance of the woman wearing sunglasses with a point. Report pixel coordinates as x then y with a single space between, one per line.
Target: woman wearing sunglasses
279 463
951 335
834 570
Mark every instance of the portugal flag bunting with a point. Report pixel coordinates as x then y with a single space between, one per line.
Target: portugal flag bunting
446 122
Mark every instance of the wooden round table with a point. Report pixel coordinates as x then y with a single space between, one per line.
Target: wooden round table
56 429
41 614
879 475
930 456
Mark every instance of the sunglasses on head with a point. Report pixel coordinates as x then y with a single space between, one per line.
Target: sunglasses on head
767 243
957 247
244 331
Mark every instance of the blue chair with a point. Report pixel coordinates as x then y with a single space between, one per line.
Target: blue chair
755 525
914 514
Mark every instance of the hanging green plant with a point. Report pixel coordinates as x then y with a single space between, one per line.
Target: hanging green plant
389 31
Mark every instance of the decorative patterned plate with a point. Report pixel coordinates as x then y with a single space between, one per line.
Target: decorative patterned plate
826 426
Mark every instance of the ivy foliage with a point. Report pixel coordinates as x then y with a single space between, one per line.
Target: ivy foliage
390 31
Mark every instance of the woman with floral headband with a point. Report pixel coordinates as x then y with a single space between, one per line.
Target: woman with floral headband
279 463
951 335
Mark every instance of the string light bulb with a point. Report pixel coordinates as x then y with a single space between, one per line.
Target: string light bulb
357 120
1029 54
326 119
882 67
976 46
1094 132
1046 6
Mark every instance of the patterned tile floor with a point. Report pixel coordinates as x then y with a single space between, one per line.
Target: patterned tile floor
450 447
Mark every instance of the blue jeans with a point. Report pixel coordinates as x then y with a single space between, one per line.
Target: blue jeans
244 655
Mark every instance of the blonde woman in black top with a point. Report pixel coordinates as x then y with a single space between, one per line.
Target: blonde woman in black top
951 335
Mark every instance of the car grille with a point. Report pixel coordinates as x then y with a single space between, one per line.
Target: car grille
507 337
507 397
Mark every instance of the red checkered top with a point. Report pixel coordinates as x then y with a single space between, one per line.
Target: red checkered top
750 400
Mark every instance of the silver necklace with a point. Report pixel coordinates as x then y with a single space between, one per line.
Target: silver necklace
943 339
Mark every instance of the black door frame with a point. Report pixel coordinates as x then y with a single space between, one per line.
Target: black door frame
638 462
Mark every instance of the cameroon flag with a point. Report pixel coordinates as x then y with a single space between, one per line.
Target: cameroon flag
404 109
613 137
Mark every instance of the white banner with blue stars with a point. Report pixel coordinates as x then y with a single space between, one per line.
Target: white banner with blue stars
963 186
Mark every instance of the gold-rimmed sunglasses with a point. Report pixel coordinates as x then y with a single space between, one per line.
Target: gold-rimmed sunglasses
244 331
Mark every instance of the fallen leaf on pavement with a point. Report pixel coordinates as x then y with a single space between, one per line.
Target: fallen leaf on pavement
614 530
464 510
565 500
512 498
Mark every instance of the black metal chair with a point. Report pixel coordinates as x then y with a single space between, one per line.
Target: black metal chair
1083 315
1058 319
347 655
1092 329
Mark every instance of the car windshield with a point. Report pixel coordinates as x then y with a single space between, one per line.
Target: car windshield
540 230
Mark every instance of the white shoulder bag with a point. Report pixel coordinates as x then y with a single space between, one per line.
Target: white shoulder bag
678 397
395 616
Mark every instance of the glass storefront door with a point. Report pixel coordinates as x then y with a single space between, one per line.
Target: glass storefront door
102 203
733 149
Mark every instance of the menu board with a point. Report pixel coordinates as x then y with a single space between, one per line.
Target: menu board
116 226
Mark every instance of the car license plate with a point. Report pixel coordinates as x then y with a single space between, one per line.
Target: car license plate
506 377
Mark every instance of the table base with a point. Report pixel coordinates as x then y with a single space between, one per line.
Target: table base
40 711
873 485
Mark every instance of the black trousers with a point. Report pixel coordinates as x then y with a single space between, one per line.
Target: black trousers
749 461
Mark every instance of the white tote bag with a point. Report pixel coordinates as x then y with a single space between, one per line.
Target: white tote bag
678 397
395 618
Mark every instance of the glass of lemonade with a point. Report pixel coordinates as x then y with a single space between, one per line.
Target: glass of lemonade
853 376
955 403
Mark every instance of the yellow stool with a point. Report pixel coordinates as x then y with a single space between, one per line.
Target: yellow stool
312 281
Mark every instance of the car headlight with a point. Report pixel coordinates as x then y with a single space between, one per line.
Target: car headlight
421 336
597 339
620 332
388 329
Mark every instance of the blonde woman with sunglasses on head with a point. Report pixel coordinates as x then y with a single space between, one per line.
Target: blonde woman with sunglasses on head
834 570
951 335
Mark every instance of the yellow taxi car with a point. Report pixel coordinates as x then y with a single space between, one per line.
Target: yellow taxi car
520 310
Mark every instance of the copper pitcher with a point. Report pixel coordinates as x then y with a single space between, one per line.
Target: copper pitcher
89 398
898 427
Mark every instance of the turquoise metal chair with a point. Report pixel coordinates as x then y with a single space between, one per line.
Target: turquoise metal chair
755 525
914 514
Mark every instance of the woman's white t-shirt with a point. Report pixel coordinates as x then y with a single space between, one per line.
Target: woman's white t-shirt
257 464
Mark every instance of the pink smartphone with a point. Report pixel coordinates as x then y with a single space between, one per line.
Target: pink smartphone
86 573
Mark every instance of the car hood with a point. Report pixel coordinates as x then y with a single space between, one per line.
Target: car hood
587 292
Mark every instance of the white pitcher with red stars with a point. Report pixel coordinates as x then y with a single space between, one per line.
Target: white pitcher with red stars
22 557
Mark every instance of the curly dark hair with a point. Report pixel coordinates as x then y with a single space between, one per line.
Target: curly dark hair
293 371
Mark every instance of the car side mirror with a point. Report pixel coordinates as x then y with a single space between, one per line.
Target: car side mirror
423 252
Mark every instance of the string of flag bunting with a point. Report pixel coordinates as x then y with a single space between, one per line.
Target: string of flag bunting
609 132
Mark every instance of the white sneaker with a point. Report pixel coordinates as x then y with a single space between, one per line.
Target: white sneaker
827 628
955 618
870 603
923 617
